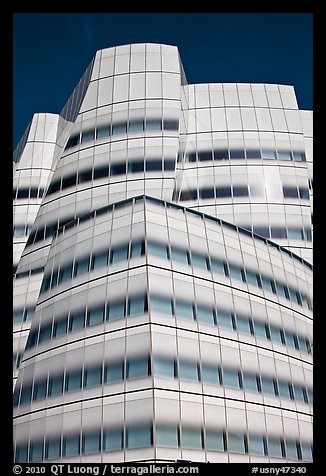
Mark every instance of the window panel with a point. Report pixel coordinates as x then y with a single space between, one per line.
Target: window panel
184 310
114 372
95 316
60 328
45 333
274 448
21 453
253 154
260 330
157 249
77 321
224 319
136 167
112 440
71 446
250 382
222 192
136 126
120 128
207 193
36 451
92 442
199 261
119 254
39 392
306 451
276 334
218 267
170 124
73 381
103 132
53 448
291 450
192 438
100 260
268 154
284 390
236 443
153 165
137 249
118 169
93 376
210 374
243 325
214 440
188 371
26 394
81 266
205 315
268 385
256 445
139 437
164 367
138 368
221 154
167 437
300 393
161 305
55 385
137 305
84 176
116 311
231 378
237 154
153 124
205 155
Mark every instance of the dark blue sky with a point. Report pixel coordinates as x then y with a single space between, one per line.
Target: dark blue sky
52 50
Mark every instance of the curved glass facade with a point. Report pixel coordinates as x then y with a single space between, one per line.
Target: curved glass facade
163 292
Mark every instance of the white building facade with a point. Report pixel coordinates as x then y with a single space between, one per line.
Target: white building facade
163 276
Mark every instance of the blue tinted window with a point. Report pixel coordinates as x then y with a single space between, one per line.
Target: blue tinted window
136 167
137 249
55 385
274 447
21 453
291 450
92 442
115 372
65 274
164 367
240 191
167 436
153 165
53 448
256 445
26 394
157 249
253 278
100 260
112 440
116 311
304 193
102 132
71 446
268 154
250 382
136 126
221 154
171 124
73 381
119 254
268 385
236 443
192 438
184 310
214 440
137 305
60 328
224 319
138 368
93 376
205 315
276 334
284 389
169 164
84 176
243 325
223 192
18 316
81 266
284 155
120 128
179 255
218 267
253 154
260 330
205 155
153 124
231 378
290 192
306 451
235 272
95 316
139 437
161 305
36 451
188 371
198 260
118 169
39 392
77 321
210 374
300 393
237 154
207 193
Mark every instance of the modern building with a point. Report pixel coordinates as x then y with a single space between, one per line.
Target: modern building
163 270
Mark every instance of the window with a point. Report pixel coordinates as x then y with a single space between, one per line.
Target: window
138 368
268 284
291 450
157 249
240 191
222 192
300 393
60 328
84 176
278 232
199 261
237 154
71 445
139 437
23 193
210 374
284 155
77 321
214 440
55 385
39 392
291 339
205 315
73 381
268 385
137 249
260 330
118 169
137 305
304 193
167 436
26 394
95 316
276 334
36 451
161 305
153 165
53 448
235 272
45 333
170 124
250 382
164 367
116 311
18 316
92 442
192 438
119 254
253 278
188 195
153 124
253 154
224 319
243 325
295 234
19 230
256 445
231 378
184 310
207 193
93 376
136 126
65 274
136 167
284 390
87 135
102 132
204 156
221 154
219 267
21 453
236 443
268 154
73 141
290 192
169 164
120 128
274 447
69 181
261 231
188 371
112 440
299 156
99 260
306 451
81 266
114 372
